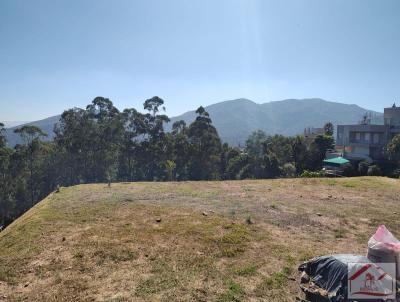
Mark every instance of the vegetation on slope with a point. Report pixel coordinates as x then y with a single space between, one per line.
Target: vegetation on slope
102 144
188 241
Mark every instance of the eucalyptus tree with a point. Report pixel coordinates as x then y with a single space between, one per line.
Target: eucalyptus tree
7 204
154 148
134 132
181 149
31 138
205 147
107 138
299 153
74 138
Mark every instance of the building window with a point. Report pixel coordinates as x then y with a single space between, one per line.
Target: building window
358 136
367 137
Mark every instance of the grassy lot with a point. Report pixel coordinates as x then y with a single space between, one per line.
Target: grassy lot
216 241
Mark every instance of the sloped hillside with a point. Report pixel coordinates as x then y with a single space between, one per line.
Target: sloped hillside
235 120
189 241
47 125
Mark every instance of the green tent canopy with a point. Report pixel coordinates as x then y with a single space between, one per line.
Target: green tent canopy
336 161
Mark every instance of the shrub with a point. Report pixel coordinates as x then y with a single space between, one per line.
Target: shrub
311 174
289 170
395 173
348 170
363 168
374 170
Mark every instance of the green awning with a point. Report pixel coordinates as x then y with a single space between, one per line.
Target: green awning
336 161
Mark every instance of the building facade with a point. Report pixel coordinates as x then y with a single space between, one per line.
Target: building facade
366 141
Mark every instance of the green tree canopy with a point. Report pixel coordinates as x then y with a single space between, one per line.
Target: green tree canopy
394 147
318 149
328 129
255 143
2 135
30 133
205 147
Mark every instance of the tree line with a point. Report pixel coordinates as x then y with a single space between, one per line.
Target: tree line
101 144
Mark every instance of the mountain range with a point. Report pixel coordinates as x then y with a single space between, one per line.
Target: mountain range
236 119
47 125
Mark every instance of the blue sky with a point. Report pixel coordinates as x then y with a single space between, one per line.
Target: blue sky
57 54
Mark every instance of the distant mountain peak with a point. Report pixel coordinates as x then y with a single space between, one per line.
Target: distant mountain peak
240 101
236 119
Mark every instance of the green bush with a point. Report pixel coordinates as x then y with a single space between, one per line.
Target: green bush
363 168
348 170
374 170
289 170
312 174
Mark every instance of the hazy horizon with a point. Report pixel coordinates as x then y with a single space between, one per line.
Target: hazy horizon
57 55
10 124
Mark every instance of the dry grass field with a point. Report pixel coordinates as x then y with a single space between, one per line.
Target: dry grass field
188 241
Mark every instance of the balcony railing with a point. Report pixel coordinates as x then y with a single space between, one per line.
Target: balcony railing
364 142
